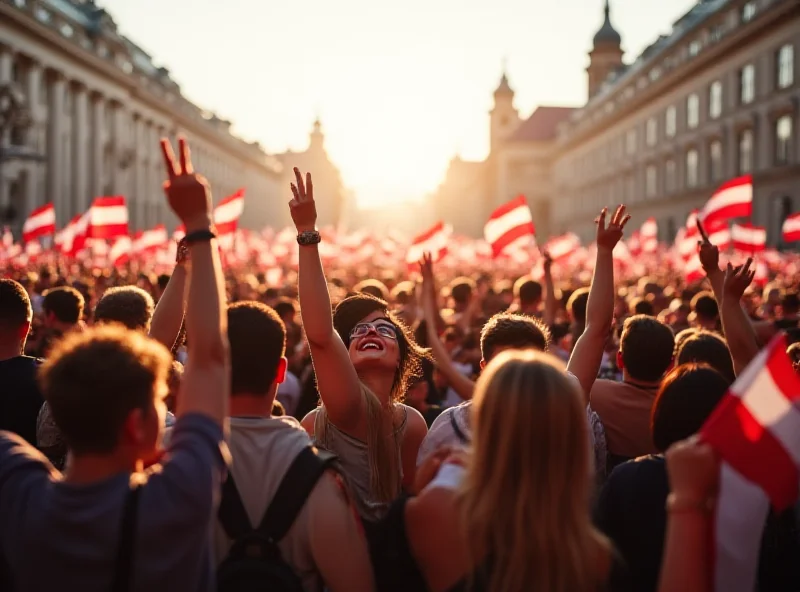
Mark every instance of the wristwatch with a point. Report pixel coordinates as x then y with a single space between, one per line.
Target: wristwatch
308 237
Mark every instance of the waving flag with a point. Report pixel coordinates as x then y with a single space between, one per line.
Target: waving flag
509 225
228 212
791 228
755 430
41 222
433 241
108 218
734 199
748 238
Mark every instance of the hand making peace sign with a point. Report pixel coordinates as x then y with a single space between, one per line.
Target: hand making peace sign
302 206
188 193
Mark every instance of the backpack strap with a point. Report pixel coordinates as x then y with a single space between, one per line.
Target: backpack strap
459 432
296 486
123 566
231 513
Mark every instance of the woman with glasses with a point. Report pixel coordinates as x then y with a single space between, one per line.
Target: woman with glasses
363 359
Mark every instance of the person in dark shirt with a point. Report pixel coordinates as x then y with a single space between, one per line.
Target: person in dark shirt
20 398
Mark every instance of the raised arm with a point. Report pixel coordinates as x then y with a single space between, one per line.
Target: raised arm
739 333
458 382
550 302
587 355
337 380
206 383
709 259
168 315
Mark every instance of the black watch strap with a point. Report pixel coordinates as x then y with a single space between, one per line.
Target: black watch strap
308 237
197 236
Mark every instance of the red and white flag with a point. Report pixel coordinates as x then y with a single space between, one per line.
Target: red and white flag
733 199
228 212
120 251
720 236
71 239
510 224
791 228
41 222
562 246
755 430
433 241
749 238
108 218
693 269
149 241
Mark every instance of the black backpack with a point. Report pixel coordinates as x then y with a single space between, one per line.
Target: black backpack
254 561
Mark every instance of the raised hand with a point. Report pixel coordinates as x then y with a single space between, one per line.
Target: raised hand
609 236
737 279
709 254
302 206
547 261
426 269
693 470
188 193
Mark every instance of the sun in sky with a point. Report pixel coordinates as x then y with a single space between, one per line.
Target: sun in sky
400 88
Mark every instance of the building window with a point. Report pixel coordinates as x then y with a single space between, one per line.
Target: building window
630 141
692 111
670 176
746 152
652 131
783 140
715 100
747 83
630 189
671 120
786 66
715 34
692 161
651 181
715 161
748 11
694 48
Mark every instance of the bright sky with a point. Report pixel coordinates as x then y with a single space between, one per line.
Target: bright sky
400 87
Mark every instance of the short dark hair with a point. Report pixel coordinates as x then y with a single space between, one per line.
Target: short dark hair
163 280
791 302
528 290
15 305
576 305
65 302
705 306
93 379
685 400
505 330
285 306
642 306
683 336
647 346
461 289
707 348
128 305
257 339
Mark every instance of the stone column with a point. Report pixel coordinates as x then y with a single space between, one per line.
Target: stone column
80 124
763 145
55 159
34 82
96 143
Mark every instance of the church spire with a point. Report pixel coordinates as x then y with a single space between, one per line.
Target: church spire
504 88
607 35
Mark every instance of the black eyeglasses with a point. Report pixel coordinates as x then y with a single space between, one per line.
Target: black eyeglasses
382 329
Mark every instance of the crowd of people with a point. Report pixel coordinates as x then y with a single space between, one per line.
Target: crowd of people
450 430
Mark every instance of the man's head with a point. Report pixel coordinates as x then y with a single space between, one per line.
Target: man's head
705 347
127 305
528 293
576 306
257 339
106 389
15 318
646 348
706 311
790 304
511 331
62 306
286 308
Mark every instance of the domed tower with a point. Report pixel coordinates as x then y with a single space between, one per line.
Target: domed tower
316 137
606 54
504 117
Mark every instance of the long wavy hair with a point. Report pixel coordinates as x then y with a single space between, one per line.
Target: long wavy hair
525 501
383 432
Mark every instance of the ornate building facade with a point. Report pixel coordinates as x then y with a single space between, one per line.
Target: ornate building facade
98 107
716 98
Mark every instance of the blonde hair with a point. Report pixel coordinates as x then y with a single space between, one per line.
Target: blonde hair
525 500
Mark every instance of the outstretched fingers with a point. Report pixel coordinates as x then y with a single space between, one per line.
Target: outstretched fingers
702 231
601 220
185 156
299 189
169 158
